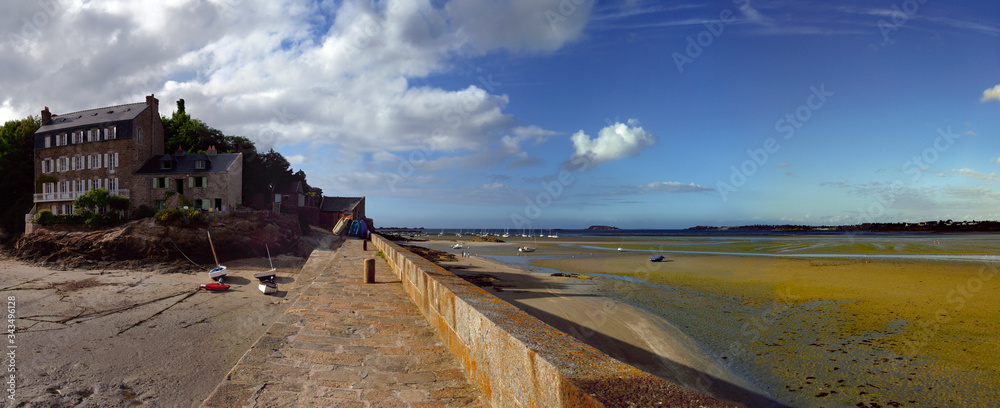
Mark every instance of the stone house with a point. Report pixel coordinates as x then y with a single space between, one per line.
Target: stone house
211 181
332 209
97 148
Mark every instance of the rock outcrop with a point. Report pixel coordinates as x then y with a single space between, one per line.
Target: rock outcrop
146 244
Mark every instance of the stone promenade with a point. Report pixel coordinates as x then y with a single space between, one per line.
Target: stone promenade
344 343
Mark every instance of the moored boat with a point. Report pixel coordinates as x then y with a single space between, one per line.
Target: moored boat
656 258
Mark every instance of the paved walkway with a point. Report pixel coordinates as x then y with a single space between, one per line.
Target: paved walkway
344 343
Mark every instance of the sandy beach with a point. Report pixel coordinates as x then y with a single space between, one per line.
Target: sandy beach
810 332
116 338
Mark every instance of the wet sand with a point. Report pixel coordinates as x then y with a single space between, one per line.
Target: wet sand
630 334
116 338
814 332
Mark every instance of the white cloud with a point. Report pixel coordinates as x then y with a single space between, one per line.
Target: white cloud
297 159
519 25
673 187
612 143
973 174
992 93
334 74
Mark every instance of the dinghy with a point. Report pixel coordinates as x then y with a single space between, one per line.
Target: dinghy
267 286
266 275
219 271
215 286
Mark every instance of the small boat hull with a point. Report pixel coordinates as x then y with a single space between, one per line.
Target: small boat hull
268 287
217 272
657 258
214 286
526 249
265 275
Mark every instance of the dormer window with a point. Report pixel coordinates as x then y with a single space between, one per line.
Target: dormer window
166 165
199 164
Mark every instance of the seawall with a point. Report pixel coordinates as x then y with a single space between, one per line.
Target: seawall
517 360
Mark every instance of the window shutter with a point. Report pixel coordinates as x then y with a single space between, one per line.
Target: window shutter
191 182
204 181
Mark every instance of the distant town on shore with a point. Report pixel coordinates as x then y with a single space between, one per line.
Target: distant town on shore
926 226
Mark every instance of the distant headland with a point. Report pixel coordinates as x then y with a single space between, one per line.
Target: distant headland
926 226
603 228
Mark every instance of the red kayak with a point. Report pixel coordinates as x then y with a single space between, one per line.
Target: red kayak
215 286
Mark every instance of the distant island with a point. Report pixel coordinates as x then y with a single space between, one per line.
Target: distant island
926 226
603 228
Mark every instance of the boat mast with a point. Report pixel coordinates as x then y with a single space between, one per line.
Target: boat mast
213 249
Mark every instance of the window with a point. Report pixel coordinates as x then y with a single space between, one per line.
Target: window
197 181
113 184
114 132
166 165
199 164
79 186
161 204
62 164
138 136
112 160
65 139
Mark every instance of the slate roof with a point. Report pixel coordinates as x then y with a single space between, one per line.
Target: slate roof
184 164
339 204
93 117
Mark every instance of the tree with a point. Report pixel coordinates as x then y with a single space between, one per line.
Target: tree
262 172
17 164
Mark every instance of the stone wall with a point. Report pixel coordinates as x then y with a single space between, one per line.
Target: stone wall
516 359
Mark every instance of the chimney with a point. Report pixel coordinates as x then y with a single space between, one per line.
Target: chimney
46 116
151 101
180 152
211 152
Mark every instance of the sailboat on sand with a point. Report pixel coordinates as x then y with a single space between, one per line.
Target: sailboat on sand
216 273
266 278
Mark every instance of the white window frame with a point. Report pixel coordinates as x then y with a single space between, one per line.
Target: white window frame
114 132
199 164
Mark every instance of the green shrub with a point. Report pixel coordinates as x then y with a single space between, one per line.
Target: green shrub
45 217
145 211
118 203
178 217
68 219
185 202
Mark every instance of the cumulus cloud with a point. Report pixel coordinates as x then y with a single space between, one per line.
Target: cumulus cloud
519 25
992 93
335 74
612 143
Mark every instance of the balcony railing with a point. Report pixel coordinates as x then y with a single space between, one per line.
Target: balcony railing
70 196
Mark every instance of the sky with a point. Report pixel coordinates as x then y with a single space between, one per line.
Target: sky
560 113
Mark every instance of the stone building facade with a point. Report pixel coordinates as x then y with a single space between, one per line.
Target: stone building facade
97 148
210 181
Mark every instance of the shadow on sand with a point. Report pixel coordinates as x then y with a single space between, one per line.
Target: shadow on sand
630 354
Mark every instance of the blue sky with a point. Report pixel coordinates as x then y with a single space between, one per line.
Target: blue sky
561 113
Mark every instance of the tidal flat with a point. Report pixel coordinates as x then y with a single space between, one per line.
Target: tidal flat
821 321
815 321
